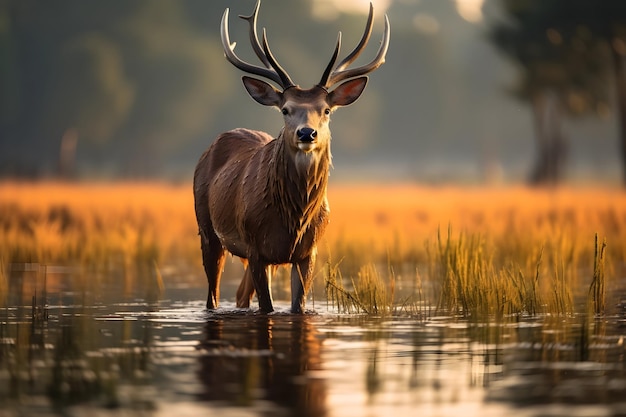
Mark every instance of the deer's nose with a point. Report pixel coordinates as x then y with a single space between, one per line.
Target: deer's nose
306 134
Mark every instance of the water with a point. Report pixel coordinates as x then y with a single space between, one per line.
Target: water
119 353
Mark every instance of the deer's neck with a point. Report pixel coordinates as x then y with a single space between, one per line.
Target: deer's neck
299 184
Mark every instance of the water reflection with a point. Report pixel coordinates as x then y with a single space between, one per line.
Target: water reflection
85 349
252 358
573 360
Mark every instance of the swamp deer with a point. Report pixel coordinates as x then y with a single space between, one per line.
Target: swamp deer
264 199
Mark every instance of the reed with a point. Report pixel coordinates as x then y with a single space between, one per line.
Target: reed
468 280
4 282
472 284
337 296
597 289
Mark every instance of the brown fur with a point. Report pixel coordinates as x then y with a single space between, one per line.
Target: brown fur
264 199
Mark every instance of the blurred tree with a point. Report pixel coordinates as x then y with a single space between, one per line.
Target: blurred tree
9 92
65 73
563 71
90 82
607 20
178 81
128 82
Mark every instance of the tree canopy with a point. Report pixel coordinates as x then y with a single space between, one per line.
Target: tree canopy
566 52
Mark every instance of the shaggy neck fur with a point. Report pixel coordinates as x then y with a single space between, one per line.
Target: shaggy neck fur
298 185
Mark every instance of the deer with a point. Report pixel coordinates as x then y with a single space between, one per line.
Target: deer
264 199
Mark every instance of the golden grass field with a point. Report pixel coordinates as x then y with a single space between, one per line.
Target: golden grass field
442 238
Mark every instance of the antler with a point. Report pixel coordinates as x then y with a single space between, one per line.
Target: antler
339 73
272 71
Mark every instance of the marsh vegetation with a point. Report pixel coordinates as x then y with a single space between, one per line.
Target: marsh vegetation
101 293
473 252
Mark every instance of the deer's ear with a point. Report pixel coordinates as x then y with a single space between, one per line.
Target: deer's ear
262 92
347 93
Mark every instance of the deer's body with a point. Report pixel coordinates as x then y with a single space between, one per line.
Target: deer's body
264 199
249 203
261 210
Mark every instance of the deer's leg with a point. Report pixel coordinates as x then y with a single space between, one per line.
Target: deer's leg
246 289
213 255
301 276
261 281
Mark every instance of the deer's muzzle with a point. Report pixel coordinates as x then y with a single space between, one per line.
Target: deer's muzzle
306 138
306 134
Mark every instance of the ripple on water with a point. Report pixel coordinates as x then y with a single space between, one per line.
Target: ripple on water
158 356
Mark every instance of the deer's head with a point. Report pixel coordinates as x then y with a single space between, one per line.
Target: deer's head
306 112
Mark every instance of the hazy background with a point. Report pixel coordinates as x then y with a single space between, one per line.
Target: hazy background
138 89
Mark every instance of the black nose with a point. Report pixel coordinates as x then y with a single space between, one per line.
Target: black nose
306 134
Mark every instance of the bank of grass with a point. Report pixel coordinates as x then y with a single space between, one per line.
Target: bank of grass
94 223
389 249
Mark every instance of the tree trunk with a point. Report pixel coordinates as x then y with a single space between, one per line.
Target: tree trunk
620 79
551 143
67 154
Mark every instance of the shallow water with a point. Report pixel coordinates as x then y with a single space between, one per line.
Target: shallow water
116 353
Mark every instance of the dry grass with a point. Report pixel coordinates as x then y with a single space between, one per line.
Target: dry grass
509 250
497 251
128 231
60 223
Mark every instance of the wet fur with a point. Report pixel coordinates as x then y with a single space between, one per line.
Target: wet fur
262 201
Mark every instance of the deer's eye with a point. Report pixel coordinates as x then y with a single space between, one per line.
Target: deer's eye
327 112
285 111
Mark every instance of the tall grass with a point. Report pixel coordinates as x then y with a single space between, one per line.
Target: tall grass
597 289
512 251
517 251
466 281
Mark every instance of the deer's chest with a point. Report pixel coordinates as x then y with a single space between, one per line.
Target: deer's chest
277 241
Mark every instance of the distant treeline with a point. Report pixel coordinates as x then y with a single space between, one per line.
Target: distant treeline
139 88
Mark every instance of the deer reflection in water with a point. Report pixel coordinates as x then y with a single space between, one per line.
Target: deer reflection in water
269 358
